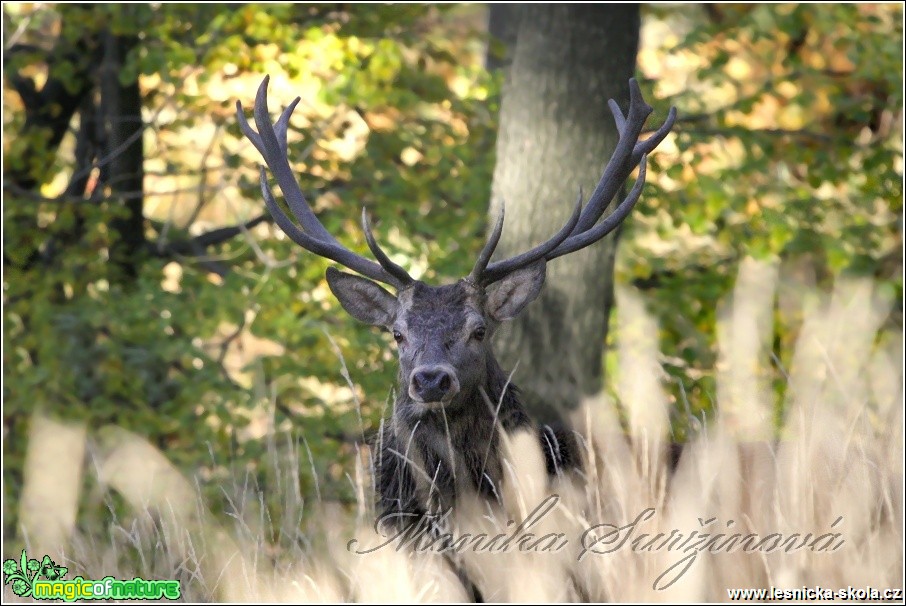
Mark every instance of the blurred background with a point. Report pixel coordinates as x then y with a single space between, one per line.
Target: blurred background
145 288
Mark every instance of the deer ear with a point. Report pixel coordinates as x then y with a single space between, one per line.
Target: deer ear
510 296
363 299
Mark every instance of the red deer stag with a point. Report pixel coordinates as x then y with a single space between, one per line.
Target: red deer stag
453 397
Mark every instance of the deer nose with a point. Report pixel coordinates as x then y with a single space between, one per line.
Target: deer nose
433 384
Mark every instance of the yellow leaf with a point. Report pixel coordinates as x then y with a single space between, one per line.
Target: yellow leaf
787 89
738 69
791 117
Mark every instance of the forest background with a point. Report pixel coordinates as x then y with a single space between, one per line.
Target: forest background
145 288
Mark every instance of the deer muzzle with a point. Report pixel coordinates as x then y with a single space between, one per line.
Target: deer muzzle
433 384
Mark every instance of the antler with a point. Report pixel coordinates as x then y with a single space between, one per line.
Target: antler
270 140
581 229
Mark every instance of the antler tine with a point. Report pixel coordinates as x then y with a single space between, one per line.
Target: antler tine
246 128
392 268
496 271
280 128
617 113
270 141
648 145
282 125
611 222
488 251
328 250
583 228
620 165
276 160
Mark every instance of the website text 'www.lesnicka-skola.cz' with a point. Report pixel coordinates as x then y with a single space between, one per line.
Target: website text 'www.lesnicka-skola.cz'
856 594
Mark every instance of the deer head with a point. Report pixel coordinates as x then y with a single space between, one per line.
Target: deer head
443 332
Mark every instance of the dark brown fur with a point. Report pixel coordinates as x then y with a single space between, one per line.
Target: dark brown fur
425 457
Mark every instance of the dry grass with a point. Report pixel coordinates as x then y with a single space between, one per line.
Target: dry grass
835 470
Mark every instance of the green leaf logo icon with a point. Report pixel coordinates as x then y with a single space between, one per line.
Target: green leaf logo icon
20 574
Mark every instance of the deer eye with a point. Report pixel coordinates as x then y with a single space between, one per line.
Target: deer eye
397 336
479 333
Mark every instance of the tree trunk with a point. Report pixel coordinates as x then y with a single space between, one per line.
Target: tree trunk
122 110
556 135
503 27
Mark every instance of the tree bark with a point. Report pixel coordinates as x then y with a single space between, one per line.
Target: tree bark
556 135
122 110
503 28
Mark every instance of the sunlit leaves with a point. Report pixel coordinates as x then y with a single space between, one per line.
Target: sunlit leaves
392 118
788 146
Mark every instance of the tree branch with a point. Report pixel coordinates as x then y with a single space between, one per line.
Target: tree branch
218 236
656 279
197 247
25 87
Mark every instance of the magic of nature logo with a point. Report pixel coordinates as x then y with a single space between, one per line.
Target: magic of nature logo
45 580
